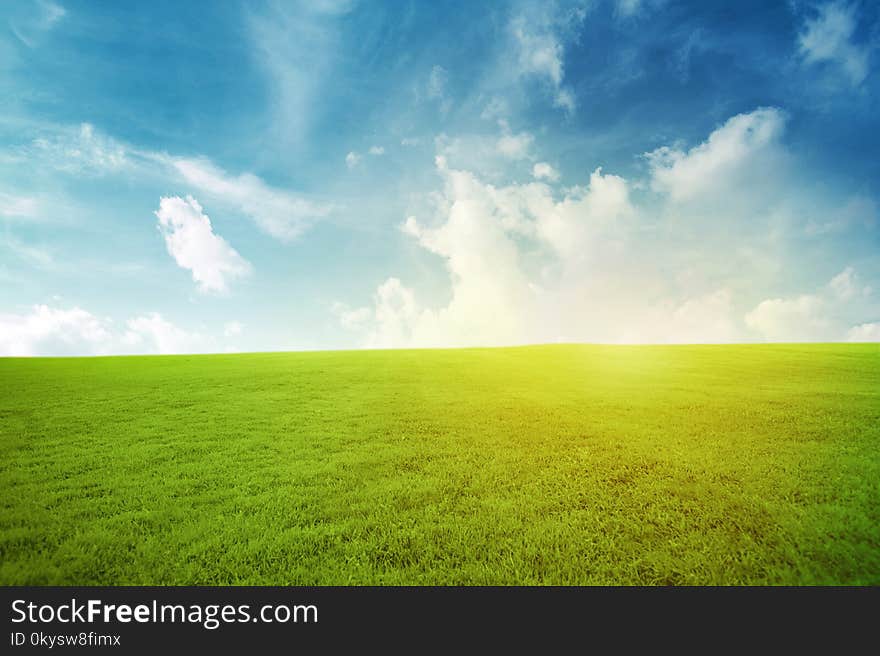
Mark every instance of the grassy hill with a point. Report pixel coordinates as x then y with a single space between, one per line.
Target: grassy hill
534 465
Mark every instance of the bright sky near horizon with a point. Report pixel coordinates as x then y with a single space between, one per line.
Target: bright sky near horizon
209 177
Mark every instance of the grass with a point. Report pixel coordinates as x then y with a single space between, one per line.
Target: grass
650 465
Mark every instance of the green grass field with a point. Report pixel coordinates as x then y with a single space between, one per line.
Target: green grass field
536 465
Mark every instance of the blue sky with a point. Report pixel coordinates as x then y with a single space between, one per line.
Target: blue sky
188 177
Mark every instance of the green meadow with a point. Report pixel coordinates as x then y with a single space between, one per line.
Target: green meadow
750 464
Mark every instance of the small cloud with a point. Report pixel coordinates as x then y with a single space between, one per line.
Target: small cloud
352 159
627 8
410 141
539 53
866 332
377 150
232 328
34 255
152 333
352 319
543 171
515 146
845 285
436 88
827 38
496 109
80 150
18 206
191 241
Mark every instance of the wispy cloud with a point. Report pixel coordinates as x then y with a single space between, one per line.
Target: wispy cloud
539 49
34 19
85 151
279 213
828 38
14 205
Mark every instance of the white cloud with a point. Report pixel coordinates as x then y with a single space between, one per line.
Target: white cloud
151 333
828 38
799 319
543 171
18 206
84 151
39 17
703 319
436 88
357 319
279 213
52 331
515 146
80 150
494 300
35 255
859 211
232 328
866 332
537 262
539 51
377 150
571 225
496 109
818 316
192 243
845 285
352 159
629 7
729 150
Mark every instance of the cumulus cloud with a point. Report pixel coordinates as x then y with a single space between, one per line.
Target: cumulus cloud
799 319
702 319
352 159
53 331
494 298
515 146
377 150
279 213
729 150
192 242
152 333
866 332
544 171
828 38
817 316
538 262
